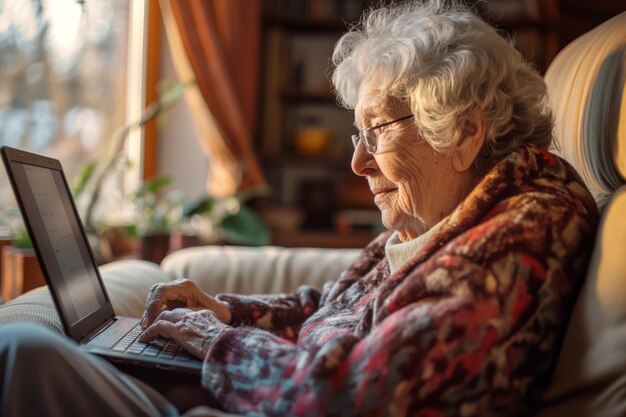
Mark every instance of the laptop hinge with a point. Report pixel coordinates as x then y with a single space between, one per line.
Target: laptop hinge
99 329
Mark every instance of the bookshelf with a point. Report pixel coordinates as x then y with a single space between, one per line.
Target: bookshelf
305 137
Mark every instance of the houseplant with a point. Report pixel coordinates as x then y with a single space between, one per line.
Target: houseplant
228 220
90 181
20 268
161 217
155 217
224 220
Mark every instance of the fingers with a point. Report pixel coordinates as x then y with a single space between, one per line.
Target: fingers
165 296
181 293
164 326
160 328
193 330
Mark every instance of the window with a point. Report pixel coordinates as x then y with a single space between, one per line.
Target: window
63 78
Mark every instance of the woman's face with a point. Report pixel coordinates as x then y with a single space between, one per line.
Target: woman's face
413 185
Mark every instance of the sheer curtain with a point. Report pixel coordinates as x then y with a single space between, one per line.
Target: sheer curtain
215 44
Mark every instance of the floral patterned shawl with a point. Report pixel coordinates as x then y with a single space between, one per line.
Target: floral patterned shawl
470 326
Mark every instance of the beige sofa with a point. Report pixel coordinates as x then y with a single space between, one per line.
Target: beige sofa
215 269
590 378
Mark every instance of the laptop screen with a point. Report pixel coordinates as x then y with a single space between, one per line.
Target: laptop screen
56 229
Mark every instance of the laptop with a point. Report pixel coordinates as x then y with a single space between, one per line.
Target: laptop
59 239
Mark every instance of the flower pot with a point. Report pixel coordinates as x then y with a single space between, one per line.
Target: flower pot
180 241
120 243
20 272
154 247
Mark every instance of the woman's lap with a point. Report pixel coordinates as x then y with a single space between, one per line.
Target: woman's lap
44 373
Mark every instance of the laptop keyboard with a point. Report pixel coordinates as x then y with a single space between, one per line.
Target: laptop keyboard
159 347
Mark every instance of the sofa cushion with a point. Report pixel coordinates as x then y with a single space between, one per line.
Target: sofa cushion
35 307
586 87
590 377
258 270
127 283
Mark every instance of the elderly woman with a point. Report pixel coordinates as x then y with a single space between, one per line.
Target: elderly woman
459 309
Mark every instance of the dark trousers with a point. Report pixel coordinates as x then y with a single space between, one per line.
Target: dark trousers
43 373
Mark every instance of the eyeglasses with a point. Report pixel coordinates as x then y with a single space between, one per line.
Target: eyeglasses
369 135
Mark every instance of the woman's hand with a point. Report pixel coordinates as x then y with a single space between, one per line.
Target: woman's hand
193 330
181 293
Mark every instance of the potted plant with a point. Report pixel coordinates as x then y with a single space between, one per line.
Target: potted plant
89 183
119 240
20 267
155 217
228 220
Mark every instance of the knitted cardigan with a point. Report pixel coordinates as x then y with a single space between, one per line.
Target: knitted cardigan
470 326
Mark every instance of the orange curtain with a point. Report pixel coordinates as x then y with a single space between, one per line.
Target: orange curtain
221 41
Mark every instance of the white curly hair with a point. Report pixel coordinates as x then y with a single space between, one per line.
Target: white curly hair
444 61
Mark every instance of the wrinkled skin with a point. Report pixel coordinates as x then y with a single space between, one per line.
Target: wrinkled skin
193 330
193 327
181 293
414 186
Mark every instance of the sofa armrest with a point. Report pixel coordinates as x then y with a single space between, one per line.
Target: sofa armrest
127 283
257 270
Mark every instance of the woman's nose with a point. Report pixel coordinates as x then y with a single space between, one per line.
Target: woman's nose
363 162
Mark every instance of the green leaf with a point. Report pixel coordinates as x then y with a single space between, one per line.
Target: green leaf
151 187
81 181
21 239
156 184
131 230
245 228
201 206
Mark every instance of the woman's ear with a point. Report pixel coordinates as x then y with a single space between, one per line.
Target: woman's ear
471 142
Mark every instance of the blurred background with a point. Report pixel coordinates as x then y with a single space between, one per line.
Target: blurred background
211 121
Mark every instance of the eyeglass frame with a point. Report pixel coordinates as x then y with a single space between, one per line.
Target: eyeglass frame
363 135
